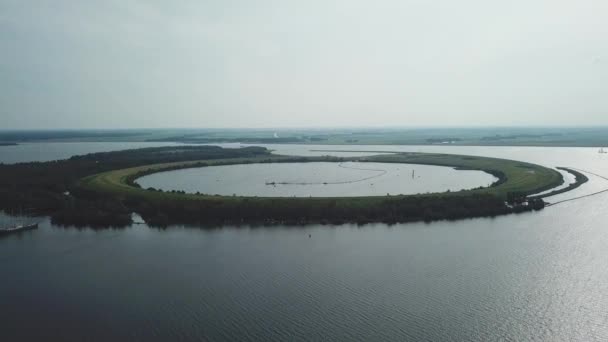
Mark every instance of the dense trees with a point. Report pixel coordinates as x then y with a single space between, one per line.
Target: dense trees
49 187
389 209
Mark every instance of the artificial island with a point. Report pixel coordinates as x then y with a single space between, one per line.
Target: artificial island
101 190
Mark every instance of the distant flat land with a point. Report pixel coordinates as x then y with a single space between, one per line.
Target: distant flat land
504 136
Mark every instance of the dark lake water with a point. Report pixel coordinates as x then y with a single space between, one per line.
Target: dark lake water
531 277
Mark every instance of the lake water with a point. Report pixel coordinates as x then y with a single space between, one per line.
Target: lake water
531 277
27 152
323 179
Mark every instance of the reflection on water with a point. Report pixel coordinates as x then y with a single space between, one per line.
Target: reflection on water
317 179
532 277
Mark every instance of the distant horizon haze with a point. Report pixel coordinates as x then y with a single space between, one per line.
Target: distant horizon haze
270 63
312 128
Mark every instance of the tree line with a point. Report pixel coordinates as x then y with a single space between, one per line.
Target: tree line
49 188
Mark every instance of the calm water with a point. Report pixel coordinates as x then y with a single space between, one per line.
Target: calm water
531 277
317 179
27 152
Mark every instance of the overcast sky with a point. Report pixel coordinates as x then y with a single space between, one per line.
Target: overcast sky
258 63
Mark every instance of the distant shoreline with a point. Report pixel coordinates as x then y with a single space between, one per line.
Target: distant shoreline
8 144
594 137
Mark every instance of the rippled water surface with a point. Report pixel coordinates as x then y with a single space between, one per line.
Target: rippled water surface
530 277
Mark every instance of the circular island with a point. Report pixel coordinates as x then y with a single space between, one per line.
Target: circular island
512 182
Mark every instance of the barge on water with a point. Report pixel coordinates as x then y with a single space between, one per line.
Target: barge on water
17 225
17 228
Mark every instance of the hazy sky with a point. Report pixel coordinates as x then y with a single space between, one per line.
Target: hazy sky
258 63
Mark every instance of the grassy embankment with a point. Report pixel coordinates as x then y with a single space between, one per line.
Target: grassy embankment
171 207
579 179
515 177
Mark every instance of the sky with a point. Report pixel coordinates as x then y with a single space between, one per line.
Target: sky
314 63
